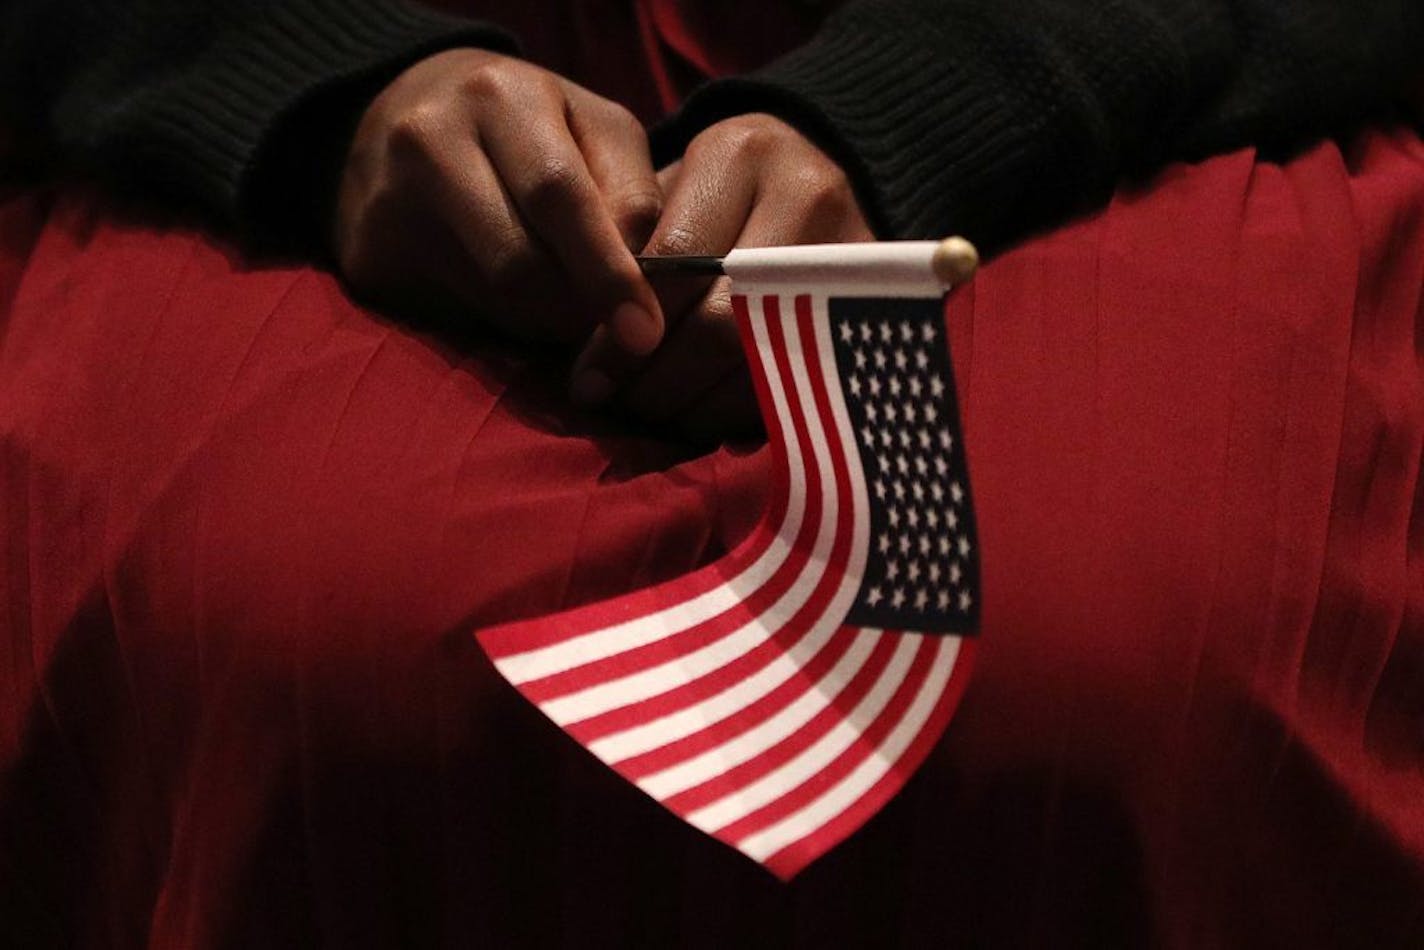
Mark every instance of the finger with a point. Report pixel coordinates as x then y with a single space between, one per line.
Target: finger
542 168
507 274
616 149
704 213
699 351
709 197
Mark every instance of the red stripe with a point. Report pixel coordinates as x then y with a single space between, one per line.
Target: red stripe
817 666
746 718
525 635
681 643
800 740
860 749
790 860
800 622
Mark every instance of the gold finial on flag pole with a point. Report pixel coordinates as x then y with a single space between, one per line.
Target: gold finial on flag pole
954 261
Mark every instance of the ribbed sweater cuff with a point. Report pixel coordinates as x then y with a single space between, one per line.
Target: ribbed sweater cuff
253 134
926 128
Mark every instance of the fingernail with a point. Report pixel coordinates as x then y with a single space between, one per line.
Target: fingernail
635 329
591 387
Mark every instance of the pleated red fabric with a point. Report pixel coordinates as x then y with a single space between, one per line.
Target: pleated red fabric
247 528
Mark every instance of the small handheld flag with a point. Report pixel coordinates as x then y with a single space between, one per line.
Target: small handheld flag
777 698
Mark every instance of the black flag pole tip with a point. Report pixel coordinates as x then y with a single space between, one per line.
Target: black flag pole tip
680 264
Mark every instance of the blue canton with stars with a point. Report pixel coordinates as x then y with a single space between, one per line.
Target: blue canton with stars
922 573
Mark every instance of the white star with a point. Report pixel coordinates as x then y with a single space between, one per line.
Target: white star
943 545
867 435
904 544
916 387
885 334
884 462
917 489
892 569
934 572
922 359
946 440
913 517
903 464
891 412
905 440
900 359
925 544
910 413
880 488
865 332
873 596
875 385
914 572
895 386
951 519
936 492
936 386
859 359
884 542
927 332
955 573
932 516
879 357
921 599
921 465
942 600
924 435
941 466
907 332
887 439
965 601
893 514
897 600
855 385
847 333
963 547
899 490
931 413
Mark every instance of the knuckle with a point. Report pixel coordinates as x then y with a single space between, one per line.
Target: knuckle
553 182
510 260
679 240
744 138
490 78
417 131
639 208
825 189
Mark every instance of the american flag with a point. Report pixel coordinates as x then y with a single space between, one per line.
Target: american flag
779 697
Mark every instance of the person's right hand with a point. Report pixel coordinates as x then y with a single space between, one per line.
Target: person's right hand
480 183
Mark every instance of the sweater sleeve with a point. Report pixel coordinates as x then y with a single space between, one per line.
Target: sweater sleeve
233 108
991 119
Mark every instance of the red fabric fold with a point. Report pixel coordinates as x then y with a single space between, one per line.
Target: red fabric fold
248 527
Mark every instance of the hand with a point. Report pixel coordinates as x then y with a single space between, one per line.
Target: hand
748 181
479 182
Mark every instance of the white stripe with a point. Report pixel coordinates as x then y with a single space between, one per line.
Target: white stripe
812 760
619 638
685 722
729 755
644 684
864 777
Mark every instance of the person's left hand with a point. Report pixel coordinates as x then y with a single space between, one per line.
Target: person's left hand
748 181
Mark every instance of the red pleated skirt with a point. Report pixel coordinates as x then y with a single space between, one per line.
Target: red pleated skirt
247 529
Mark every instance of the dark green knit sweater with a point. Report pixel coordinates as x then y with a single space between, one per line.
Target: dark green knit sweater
983 117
